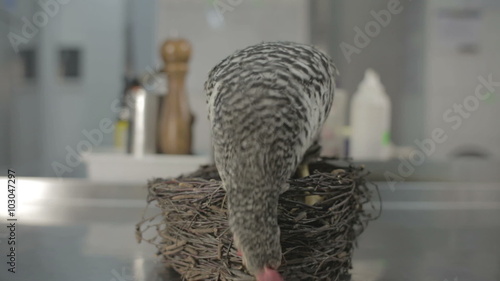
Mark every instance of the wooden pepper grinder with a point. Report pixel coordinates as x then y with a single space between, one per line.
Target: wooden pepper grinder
176 119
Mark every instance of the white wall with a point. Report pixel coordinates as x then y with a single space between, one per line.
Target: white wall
451 76
142 22
19 125
394 53
5 96
98 28
51 115
213 38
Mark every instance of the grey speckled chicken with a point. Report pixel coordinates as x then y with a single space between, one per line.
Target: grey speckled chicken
266 104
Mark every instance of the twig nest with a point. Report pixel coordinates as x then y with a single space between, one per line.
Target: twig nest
317 241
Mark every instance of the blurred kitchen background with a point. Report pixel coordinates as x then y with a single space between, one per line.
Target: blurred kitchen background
82 94
64 71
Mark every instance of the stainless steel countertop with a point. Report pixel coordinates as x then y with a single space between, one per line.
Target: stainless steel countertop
79 230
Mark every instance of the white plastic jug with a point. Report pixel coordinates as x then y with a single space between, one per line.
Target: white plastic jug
370 120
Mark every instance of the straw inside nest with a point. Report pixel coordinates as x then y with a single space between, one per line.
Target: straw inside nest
317 241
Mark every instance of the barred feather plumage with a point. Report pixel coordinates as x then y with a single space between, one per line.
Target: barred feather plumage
266 104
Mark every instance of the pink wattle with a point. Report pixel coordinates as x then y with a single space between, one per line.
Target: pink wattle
269 275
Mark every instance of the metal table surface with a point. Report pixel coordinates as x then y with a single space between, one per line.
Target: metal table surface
79 230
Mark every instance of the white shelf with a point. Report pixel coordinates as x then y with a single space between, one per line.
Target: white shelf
121 167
